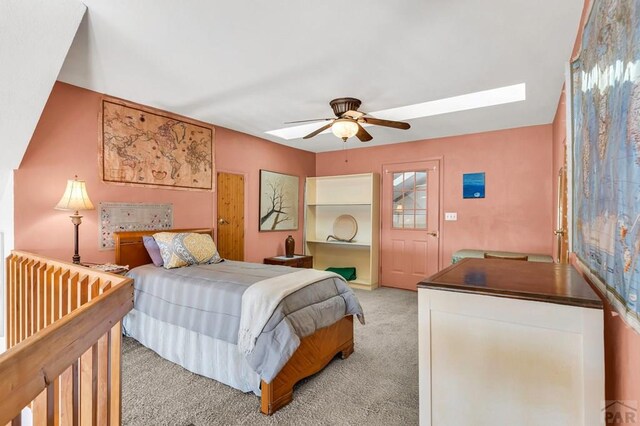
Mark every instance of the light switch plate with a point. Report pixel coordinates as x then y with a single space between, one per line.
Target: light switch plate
451 216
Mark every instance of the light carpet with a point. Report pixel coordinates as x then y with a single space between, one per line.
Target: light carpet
376 385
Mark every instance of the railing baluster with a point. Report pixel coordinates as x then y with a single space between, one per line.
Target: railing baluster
103 378
94 285
9 313
57 295
65 299
56 400
41 413
66 397
41 300
31 298
22 318
68 370
73 291
48 292
83 290
115 373
89 386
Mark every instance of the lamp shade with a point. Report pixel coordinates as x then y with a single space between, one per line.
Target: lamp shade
344 128
75 197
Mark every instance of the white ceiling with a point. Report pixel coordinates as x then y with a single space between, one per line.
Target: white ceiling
250 66
35 36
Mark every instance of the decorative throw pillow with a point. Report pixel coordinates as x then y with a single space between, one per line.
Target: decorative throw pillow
186 248
153 249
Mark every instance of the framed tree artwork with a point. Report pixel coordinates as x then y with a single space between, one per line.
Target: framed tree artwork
278 201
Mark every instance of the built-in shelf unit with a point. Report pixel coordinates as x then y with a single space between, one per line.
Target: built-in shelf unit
328 197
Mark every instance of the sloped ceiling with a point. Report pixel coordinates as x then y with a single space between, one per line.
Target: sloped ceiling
35 36
250 66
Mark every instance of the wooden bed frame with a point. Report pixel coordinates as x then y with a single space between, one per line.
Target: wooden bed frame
313 354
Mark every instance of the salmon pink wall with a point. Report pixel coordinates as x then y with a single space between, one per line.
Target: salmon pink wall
514 216
621 343
244 154
65 144
621 353
621 357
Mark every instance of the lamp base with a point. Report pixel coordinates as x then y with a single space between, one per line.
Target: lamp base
76 219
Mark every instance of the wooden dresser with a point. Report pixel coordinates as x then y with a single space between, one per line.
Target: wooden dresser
509 342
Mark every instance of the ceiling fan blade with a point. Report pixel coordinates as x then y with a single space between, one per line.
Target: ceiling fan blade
387 123
320 130
308 121
363 135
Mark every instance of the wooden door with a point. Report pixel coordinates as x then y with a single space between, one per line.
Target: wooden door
410 223
562 227
561 232
230 189
564 242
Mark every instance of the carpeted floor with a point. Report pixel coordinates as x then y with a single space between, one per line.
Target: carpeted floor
377 385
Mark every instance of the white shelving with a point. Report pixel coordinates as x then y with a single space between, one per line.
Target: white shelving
327 198
342 243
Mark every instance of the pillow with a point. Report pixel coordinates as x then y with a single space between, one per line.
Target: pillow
153 249
186 248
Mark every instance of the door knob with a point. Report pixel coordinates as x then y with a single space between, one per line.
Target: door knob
221 221
433 233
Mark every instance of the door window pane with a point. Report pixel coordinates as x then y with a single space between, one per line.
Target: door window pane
408 220
409 181
421 199
410 200
421 181
398 202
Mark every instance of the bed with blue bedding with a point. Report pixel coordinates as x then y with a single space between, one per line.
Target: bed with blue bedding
192 316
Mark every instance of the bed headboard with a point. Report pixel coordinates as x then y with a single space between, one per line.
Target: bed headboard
130 249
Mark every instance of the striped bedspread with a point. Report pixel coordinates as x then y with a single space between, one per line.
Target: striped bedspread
207 299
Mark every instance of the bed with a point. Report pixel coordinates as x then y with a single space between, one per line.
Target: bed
189 316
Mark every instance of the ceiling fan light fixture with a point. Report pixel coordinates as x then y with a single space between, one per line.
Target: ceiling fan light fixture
344 128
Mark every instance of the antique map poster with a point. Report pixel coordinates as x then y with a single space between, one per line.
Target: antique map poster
606 152
143 146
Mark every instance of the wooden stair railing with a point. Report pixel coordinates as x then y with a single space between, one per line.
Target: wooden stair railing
64 340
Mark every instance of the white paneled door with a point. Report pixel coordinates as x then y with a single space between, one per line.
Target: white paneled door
410 223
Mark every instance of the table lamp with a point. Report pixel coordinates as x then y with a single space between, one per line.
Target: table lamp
75 198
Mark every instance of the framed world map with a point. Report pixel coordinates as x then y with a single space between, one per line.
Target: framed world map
605 105
144 146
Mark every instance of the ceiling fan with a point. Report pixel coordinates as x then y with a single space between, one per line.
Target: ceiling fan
349 121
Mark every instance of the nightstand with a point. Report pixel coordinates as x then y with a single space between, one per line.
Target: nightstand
297 261
107 267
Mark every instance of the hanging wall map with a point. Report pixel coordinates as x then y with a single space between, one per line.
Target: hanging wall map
144 146
606 152
116 217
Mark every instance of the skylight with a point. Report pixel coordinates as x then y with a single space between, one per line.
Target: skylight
482 99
